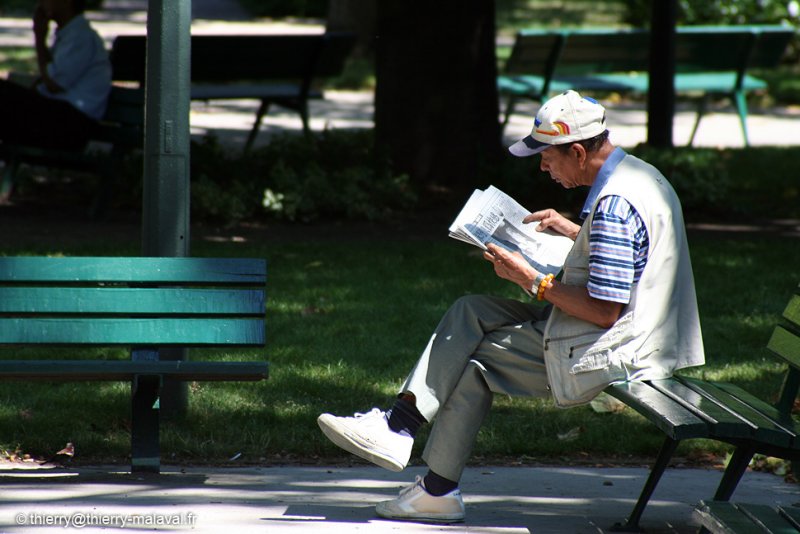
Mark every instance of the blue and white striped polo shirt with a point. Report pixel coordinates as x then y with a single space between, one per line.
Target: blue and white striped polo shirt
618 240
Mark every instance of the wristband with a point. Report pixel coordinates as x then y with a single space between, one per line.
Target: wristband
543 286
536 281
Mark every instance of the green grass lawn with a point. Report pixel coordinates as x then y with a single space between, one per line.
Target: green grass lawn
346 321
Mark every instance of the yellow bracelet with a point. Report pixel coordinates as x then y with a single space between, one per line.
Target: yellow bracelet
543 286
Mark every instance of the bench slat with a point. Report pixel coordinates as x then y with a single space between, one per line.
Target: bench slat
792 515
133 270
760 406
792 311
120 370
722 518
669 416
723 423
532 49
786 345
741 518
767 429
124 300
132 332
766 517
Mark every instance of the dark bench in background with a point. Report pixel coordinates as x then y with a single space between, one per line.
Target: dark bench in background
710 61
274 69
147 304
688 408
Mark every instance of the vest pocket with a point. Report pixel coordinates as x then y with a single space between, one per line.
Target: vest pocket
587 361
585 352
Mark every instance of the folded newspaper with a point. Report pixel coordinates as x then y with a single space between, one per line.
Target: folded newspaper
492 216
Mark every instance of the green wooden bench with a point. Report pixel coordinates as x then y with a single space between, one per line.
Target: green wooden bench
119 132
686 408
150 305
275 69
720 517
710 61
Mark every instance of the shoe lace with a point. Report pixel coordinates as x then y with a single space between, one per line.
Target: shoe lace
372 413
410 487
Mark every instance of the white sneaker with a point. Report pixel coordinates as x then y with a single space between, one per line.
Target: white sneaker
415 503
368 435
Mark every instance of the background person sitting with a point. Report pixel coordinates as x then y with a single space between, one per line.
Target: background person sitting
71 93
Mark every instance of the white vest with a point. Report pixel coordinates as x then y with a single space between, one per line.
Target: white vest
658 330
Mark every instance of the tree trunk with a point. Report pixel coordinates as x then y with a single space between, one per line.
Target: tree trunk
436 103
661 96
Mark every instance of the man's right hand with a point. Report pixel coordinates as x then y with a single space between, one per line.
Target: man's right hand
551 219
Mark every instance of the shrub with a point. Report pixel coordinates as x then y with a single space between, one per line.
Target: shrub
742 183
700 177
725 12
332 174
338 175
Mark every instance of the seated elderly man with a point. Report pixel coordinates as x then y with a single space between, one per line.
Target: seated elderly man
623 309
72 90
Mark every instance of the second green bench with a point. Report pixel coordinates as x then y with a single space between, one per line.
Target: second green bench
151 306
710 61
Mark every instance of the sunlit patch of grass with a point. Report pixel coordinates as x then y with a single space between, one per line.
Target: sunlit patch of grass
346 321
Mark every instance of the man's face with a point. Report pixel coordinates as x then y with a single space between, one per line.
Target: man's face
563 167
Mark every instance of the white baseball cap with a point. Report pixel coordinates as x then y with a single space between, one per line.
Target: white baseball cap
565 118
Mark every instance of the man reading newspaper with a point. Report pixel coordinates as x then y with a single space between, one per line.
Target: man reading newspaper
623 308
491 216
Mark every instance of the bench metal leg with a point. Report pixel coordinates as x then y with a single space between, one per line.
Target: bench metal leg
304 117
9 178
512 101
737 465
740 99
262 110
145 451
660 465
701 110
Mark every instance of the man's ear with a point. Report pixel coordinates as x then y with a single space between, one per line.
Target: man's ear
577 151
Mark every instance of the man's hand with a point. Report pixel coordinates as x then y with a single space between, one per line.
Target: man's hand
510 266
573 300
41 27
551 219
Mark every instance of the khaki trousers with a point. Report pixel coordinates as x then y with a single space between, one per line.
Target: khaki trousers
482 346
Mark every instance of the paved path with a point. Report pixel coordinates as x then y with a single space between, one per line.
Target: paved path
539 500
231 120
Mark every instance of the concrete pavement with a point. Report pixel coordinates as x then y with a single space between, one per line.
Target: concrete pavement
230 120
540 500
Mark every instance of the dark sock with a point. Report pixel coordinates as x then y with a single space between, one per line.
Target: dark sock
404 417
437 485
